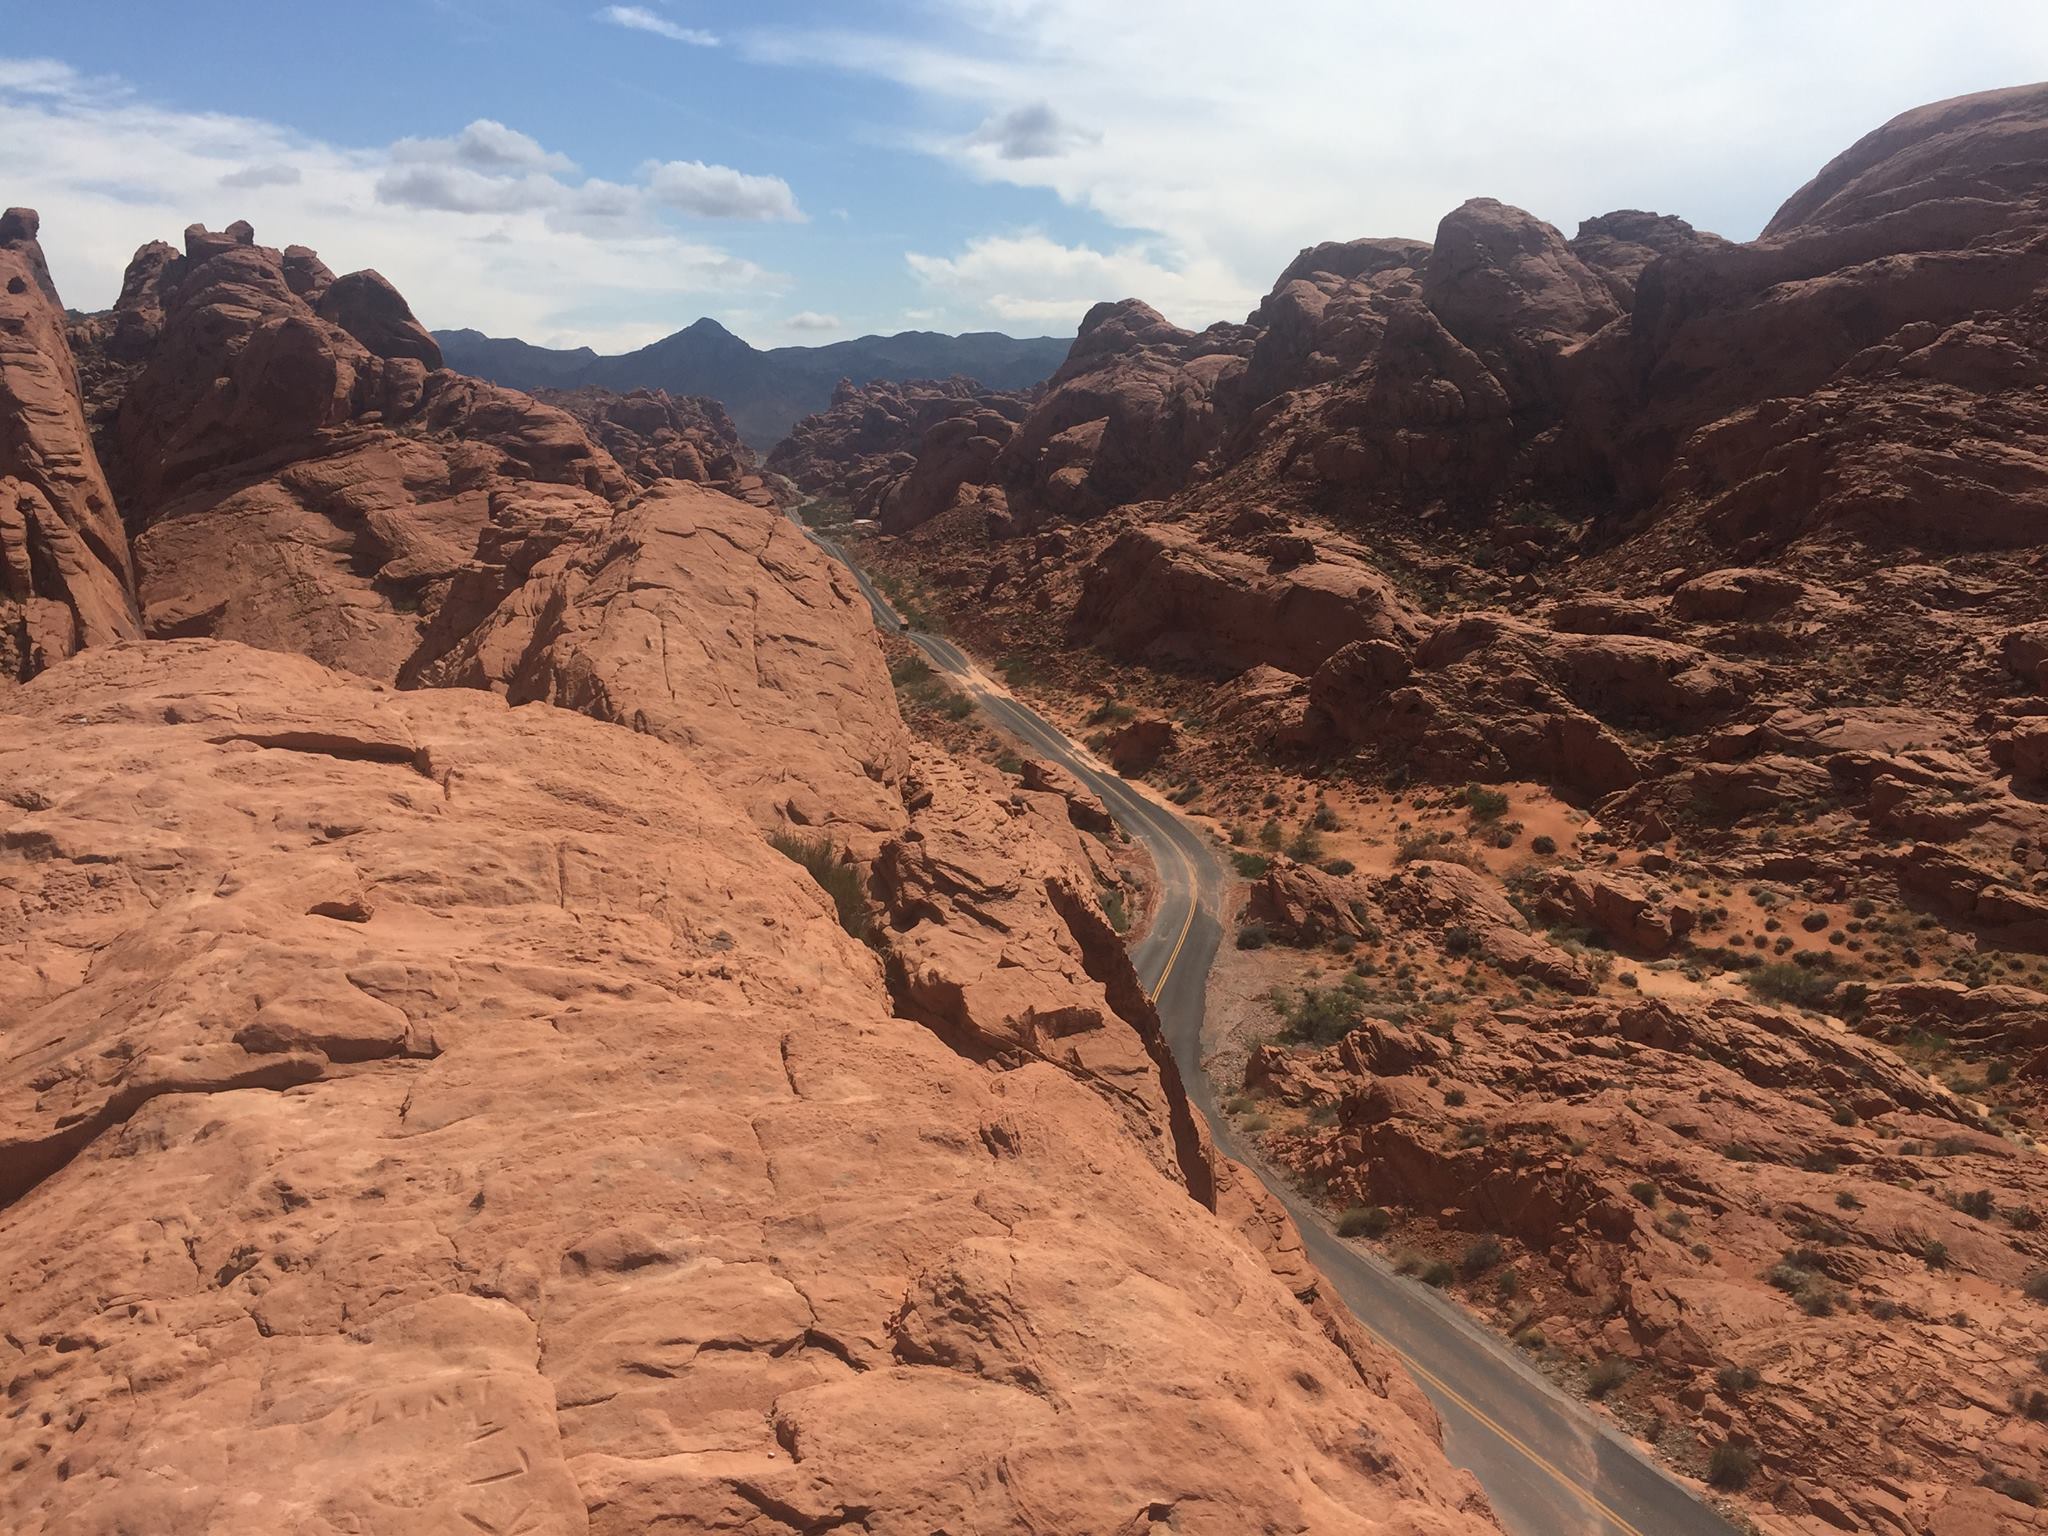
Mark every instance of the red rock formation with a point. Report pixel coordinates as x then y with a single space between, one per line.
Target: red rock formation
479 1122
64 573
656 436
476 1122
901 452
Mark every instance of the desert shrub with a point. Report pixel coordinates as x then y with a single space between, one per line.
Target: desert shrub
1731 1465
958 706
1786 983
1472 1133
1364 1221
1009 762
1934 1253
1460 940
1544 844
1108 710
1529 1338
1813 922
2023 1490
1608 1372
1270 800
1454 1098
1325 819
909 670
1977 1203
1338 867
836 878
2030 1403
2036 1288
1251 865
1116 909
1438 1273
1735 1380
2024 1218
1306 845
1481 1254
1485 804
1252 936
1319 1015
1847 1201
1255 1123
1644 1191
1272 835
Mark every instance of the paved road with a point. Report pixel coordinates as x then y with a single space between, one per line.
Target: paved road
1550 1465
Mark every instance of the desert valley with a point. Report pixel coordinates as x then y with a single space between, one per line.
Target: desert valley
559 973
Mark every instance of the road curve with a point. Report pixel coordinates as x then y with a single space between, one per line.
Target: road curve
1550 1465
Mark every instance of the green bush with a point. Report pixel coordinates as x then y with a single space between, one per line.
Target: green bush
1116 909
1251 865
1544 844
1306 845
1320 1015
836 878
1784 982
1364 1221
1485 804
1731 1466
1607 1373
1272 834
1481 1254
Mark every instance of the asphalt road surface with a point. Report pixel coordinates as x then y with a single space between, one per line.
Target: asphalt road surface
1549 1464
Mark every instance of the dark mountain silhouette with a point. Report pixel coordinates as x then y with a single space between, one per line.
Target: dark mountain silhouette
765 392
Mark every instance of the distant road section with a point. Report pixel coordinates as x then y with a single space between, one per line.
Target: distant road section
1550 1465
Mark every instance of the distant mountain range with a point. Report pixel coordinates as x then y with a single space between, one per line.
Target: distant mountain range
764 392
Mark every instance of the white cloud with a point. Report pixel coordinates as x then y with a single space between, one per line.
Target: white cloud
484 229
263 176
1227 141
1031 278
811 320
640 19
1030 132
484 146
720 192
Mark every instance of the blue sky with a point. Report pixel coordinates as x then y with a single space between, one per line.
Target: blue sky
579 172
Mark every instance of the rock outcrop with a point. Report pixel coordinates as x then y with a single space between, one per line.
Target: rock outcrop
65 580
473 1121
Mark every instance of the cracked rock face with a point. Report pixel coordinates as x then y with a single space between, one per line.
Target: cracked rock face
485 1131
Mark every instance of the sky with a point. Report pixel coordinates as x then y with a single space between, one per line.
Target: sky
599 174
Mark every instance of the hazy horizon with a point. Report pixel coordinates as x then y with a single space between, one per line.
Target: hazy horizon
601 175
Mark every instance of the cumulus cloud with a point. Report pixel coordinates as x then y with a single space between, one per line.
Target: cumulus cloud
1033 279
1032 132
263 176
720 192
639 19
487 228
811 320
484 146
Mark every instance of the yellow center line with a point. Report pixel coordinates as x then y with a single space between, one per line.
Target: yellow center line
1414 1367
1535 1457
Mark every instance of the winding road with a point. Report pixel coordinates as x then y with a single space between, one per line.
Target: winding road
1550 1465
